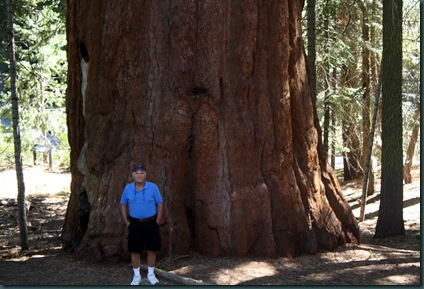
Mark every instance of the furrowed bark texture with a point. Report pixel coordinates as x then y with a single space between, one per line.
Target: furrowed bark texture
214 99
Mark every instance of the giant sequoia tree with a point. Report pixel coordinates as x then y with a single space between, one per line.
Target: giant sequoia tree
213 97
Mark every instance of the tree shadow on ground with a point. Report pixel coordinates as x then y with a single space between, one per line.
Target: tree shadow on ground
406 204
348 265
361 273
374 199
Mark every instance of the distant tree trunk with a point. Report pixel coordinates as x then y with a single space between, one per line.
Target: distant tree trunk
332 128
333 143
390 214
214 98
374 57
326 65
312 51
368 162
351 130
327 111
375 80
351 141
22 217
411 147
366 99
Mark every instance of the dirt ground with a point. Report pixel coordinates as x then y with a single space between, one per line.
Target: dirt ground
389 261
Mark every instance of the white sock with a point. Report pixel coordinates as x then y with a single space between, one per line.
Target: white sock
150 270
136 271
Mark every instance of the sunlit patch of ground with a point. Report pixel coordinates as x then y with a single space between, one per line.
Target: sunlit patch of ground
37 180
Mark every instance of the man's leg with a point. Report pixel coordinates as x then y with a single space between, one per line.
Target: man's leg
151 258
151 262
135 260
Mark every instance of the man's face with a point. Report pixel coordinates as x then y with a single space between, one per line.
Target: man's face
139 176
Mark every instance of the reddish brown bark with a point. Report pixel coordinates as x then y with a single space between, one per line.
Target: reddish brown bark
411 146
213 97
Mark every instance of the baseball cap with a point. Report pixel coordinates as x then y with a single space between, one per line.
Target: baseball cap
139 167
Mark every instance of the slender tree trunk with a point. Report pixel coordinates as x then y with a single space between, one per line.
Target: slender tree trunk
351 130
411 147
374 57
375 81
390 214
326 125
368 162
22 216
366 99
311 10
41 106
351 140
332 128
327 111
333 143
375 88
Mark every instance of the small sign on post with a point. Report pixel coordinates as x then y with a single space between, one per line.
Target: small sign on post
42 149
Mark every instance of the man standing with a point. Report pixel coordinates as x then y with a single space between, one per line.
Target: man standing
145 205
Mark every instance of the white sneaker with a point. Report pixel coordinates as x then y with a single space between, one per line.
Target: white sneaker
152 278
136 280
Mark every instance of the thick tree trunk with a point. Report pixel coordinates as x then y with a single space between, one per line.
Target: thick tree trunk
390 213
213 97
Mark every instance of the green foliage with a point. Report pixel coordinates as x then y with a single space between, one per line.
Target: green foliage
338 51
40 44
411 68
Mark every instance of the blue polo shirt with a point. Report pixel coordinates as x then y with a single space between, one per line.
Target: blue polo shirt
142 203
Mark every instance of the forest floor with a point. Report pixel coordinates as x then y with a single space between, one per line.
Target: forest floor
388 261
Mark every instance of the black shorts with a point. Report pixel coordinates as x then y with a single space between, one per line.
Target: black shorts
143 236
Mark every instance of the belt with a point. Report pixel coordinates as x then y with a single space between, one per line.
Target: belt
142 220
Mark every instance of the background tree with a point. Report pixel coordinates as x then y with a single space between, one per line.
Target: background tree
411 146
351 89
411 84
368 161
346 28
339 89
41 79
23 232
214 98
311 34
328 13
390 215
32 83
341 101
366 97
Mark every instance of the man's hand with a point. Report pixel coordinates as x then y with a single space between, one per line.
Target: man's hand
159 218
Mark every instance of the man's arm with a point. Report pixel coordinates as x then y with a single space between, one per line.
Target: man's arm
159 213
124 214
